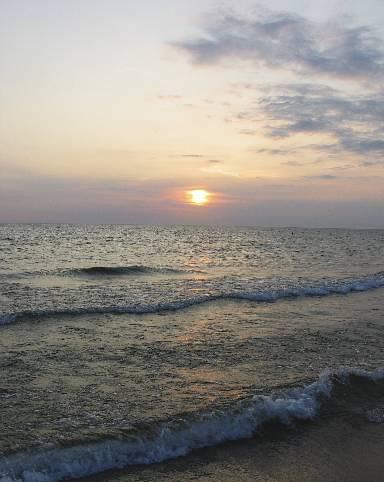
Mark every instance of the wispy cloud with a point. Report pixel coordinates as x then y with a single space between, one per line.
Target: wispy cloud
276 151
373 162
284 40
350 124
356 122
325 177
192 155
293 163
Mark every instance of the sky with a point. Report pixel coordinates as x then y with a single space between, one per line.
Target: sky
111 111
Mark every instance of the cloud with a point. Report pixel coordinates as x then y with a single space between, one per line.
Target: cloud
373 162
248 132
363 145
356 122
277 151
345 167
325 177
284 40
349 123
293 163
192 155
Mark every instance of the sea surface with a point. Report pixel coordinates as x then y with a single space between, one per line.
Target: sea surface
126 345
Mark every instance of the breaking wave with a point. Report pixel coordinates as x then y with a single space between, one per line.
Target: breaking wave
259 294
176 438
122 270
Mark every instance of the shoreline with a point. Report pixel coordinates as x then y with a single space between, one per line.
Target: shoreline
327 449
337 414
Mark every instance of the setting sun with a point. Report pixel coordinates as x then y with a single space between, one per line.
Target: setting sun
198 196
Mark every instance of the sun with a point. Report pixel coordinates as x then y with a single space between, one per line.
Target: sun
198 196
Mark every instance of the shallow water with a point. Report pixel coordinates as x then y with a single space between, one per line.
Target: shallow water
126 344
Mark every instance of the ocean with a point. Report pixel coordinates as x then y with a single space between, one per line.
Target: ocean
179 353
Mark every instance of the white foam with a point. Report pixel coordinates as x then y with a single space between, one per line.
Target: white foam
260 294
176 438
317 289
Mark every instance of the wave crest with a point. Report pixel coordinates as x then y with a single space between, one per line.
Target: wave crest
260 294
176 438
122 270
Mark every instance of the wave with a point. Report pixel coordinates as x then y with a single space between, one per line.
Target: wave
100 271
260 294
6 319
123 270
322 288
176 438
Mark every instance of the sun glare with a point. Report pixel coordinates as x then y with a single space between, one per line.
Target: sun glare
198 196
